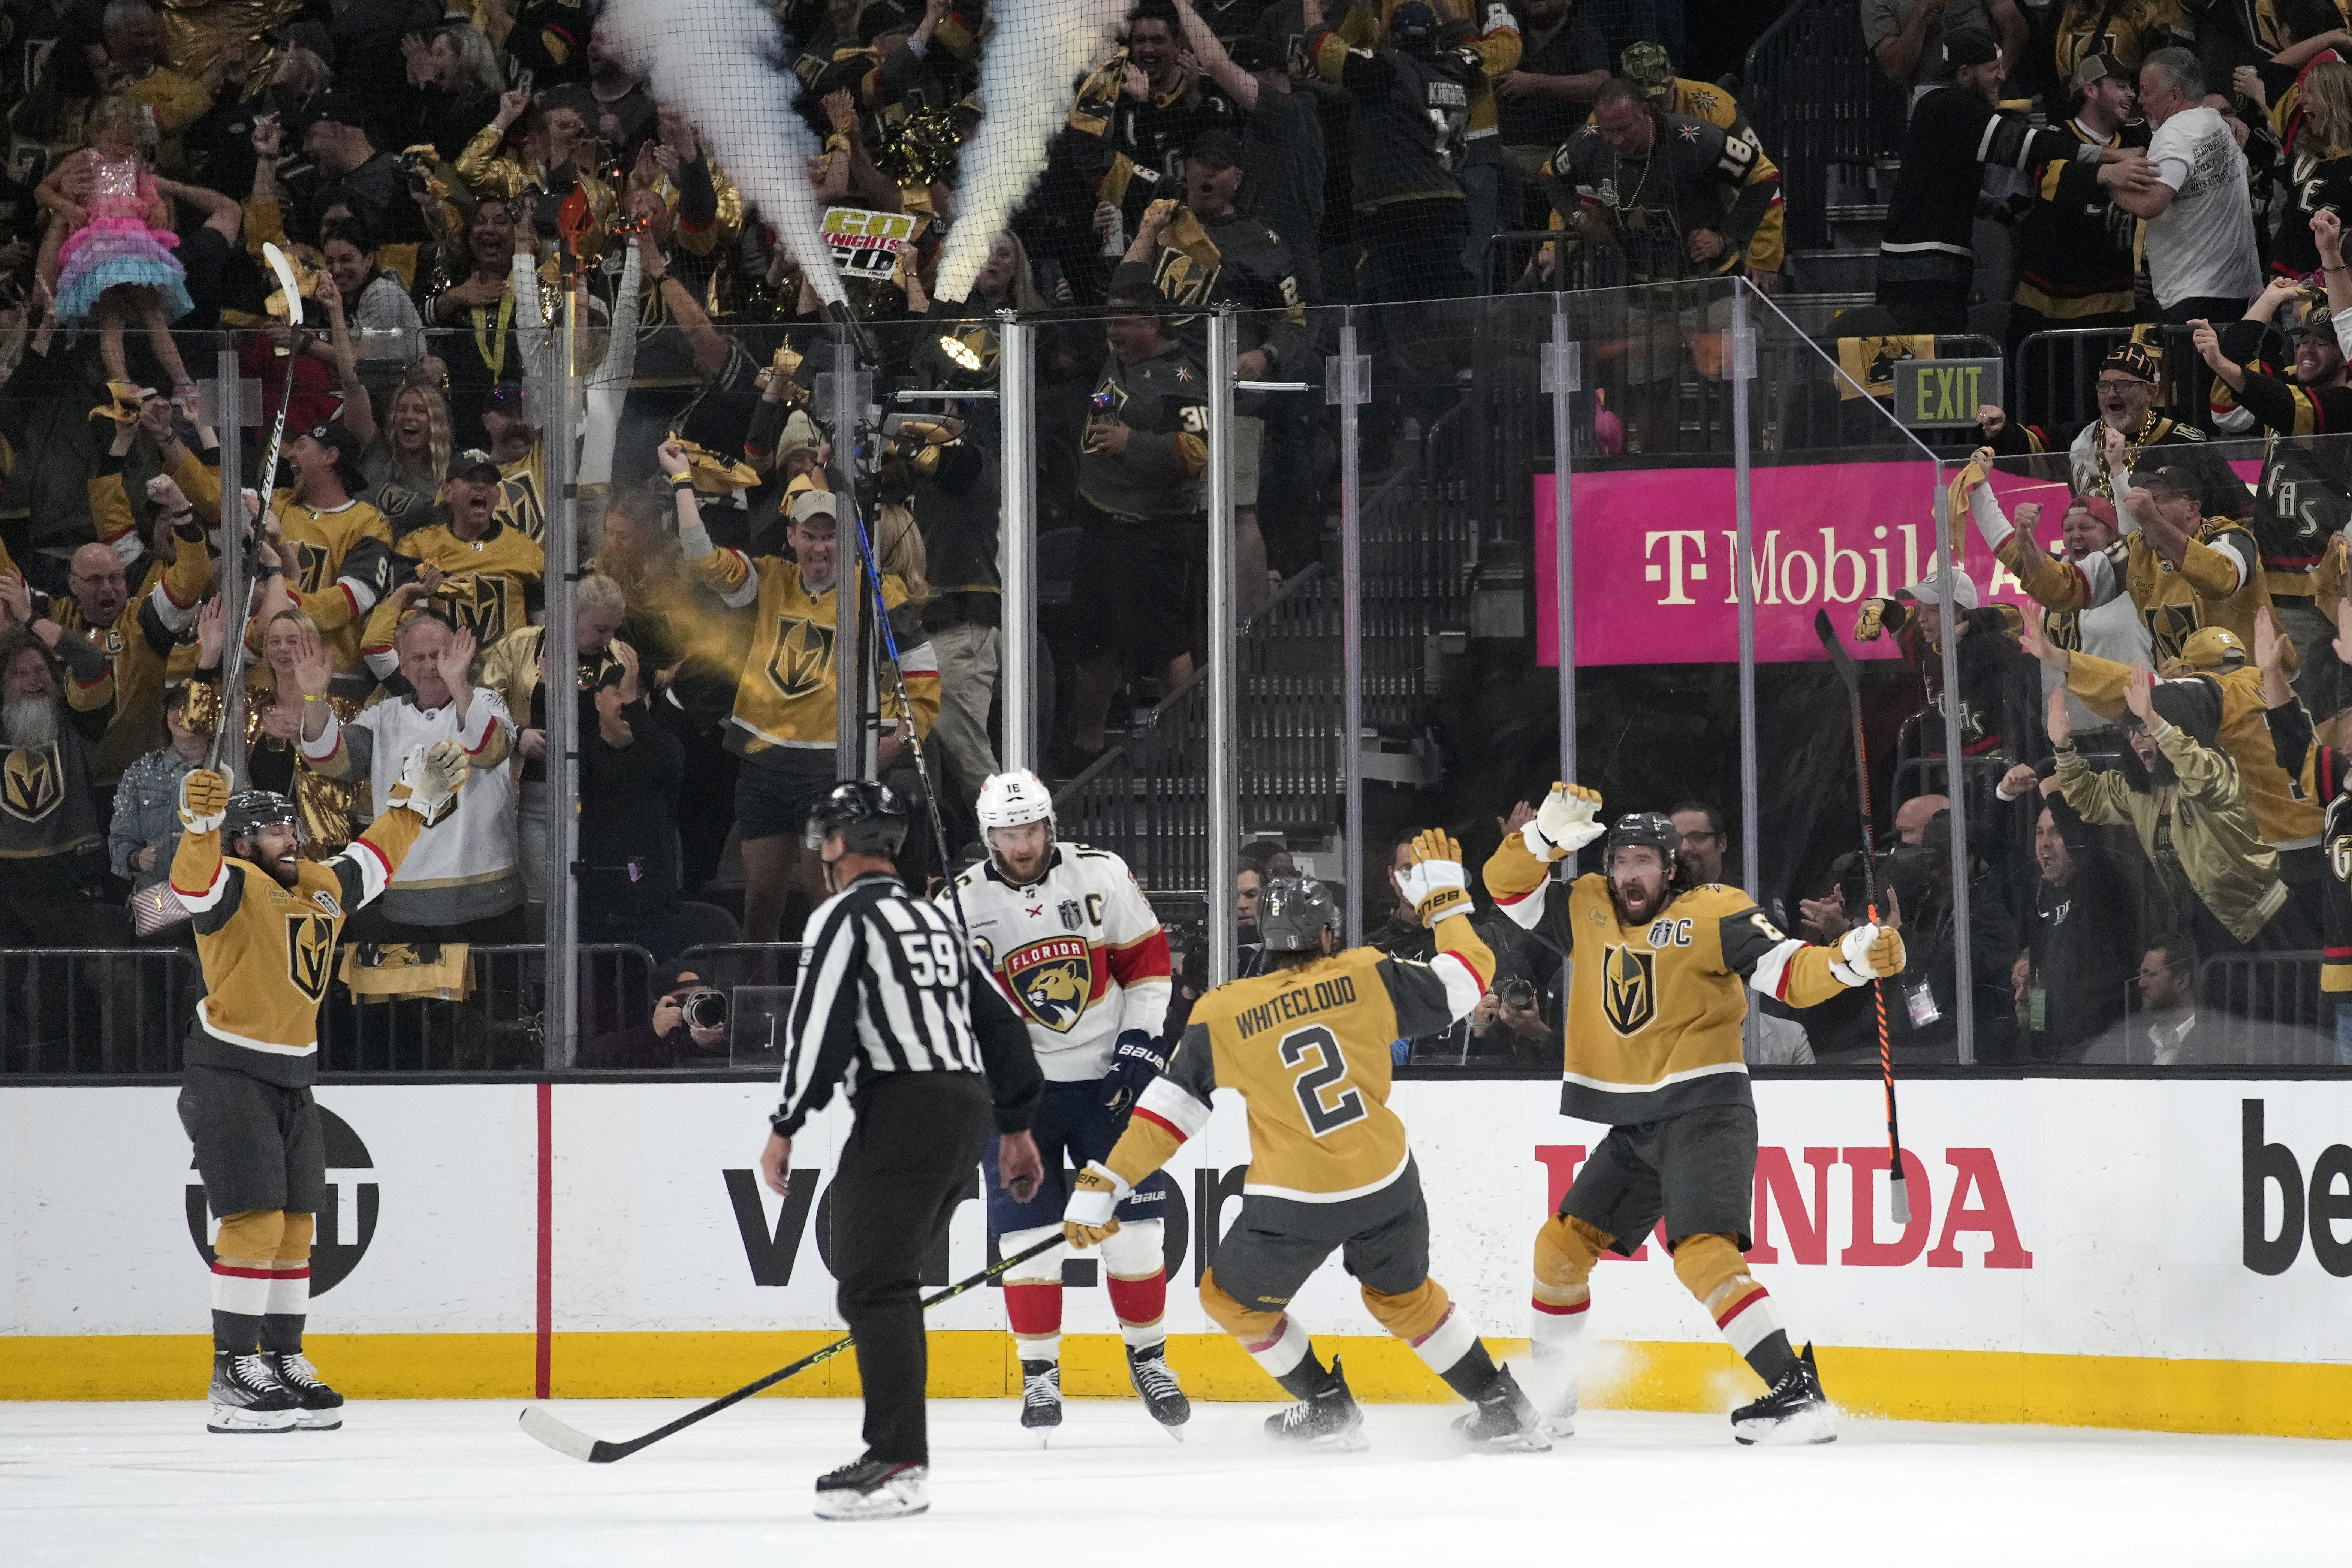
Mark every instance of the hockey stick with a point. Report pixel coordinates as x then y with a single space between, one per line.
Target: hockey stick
233 668
574 1444
1899 1197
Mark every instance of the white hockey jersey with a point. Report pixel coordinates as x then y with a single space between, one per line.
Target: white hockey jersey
1079 955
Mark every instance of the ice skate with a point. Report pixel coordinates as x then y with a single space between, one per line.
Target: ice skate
247 1396
1793 1410
1504 1420
874 1489
1164 1396
1330 1420
1041 1395
321 1408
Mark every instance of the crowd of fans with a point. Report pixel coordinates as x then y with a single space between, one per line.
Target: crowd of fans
451 185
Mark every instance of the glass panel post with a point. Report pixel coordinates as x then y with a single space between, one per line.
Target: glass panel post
1743 570
1018 678
1225 656
229 414
559 654
1561 378
851 666
1955 784
1348 388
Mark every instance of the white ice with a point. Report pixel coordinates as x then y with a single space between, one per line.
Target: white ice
450 1485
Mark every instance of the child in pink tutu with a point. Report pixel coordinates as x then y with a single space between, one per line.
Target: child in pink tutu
116 259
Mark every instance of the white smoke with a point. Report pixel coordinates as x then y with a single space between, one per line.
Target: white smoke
1029 67
721 63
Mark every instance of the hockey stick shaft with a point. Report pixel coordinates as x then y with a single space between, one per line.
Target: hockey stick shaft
574 1444
234 660
1852 678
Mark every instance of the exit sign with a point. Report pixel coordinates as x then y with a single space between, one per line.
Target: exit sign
1944 391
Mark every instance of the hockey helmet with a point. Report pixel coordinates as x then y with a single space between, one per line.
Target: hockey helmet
870 817
1293 912
251 810
1644 827
1014 799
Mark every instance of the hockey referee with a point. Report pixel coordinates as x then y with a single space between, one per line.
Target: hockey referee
890 1007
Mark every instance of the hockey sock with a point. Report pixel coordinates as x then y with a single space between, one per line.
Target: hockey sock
1566 1250
289 1288
1137 1283
1307 1378
1033 1299
1471 1372
1711 1269
244 1254
1440 1332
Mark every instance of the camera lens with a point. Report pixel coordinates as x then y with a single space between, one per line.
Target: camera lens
706 1009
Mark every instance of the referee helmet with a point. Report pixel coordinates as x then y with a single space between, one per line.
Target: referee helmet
870 818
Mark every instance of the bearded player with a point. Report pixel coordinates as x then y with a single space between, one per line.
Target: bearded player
1077 950
1654 1050
265 922
1306 1046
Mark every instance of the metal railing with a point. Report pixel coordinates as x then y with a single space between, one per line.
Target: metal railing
2055 370
96 1010
1818 103
497 1025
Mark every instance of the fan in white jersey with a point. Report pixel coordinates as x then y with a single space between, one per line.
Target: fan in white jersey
1074 947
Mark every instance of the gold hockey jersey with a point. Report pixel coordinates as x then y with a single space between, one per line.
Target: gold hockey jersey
1307 1050
784 703
1654 1012
268 949
490 583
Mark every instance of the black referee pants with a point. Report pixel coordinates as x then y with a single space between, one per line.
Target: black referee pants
916 1143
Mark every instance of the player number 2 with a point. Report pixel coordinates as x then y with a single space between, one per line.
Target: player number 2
1329 1106
931 958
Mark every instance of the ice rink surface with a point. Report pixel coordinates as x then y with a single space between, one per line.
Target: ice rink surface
450 1485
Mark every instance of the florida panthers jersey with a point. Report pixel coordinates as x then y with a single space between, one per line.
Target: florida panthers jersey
1079 955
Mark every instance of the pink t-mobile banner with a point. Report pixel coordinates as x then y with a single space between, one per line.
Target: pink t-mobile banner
1653 548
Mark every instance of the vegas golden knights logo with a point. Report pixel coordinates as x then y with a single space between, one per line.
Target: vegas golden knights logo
1053 980
804 657
310 952
32 782
478 600
313 566
1629 988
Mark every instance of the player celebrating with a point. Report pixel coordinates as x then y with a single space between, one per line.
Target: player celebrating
265 922
1654 1050
1076 948
1307 1046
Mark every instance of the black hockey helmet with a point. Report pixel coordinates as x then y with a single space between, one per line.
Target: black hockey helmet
870 817
1644 827
251 810
1293 912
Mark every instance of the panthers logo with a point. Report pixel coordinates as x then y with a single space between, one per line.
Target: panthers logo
804 657
1629 988
310 952
32 782
1053 980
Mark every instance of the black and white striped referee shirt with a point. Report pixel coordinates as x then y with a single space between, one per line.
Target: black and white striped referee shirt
886 985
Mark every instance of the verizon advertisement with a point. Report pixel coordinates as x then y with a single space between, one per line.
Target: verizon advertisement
2184 1220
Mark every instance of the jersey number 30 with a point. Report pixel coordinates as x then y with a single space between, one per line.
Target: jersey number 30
1324 1093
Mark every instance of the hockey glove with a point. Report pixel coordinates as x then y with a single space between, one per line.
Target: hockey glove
1867 952
203 800
1434 881
1133 1065
1088 1217
1565 823
429 781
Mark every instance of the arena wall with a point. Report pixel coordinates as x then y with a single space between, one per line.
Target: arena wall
2167 1254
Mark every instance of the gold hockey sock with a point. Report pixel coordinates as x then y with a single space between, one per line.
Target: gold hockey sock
290 1288
245 1259
1566 1250
1711 1269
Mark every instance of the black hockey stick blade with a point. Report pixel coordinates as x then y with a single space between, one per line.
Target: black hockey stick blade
575 1444
1838 654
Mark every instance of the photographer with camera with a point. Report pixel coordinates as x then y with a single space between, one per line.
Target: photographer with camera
689 1028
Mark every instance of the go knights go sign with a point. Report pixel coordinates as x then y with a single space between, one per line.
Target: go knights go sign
1945 390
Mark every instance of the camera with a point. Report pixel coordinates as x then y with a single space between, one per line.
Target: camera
704 1009
1515 991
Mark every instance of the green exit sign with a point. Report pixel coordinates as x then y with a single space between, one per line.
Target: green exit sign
1945 390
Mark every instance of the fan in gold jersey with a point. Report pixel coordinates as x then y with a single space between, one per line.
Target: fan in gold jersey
1306 1047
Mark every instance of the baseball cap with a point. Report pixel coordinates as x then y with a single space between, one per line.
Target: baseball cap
2134 359
1217 147
1929 589
1648 66
336 108
1964 47
303 35
335 434
2169 477
2212 647
505 398
2099 506
813 503
468 463
2092 68
2316 318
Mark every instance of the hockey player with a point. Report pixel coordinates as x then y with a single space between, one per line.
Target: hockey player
1306 1047
1077 950
265 922
1654 1050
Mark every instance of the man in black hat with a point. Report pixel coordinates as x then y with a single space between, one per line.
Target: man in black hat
369 180
1926 261
671 1037
891 1009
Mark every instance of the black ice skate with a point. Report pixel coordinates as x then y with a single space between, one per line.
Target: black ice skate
247 1397
874 1489
1504 1419
1040 1394
1163 1394
1793 1410
322 1407
1329 1420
